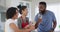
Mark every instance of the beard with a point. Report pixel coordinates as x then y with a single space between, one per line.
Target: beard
42 12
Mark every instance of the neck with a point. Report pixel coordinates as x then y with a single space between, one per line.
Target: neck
23 16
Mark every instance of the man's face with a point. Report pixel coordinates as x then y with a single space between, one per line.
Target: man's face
42 8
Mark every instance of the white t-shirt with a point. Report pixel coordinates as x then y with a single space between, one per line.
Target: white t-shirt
7 25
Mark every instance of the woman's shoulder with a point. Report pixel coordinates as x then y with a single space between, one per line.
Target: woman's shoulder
19 18
8 21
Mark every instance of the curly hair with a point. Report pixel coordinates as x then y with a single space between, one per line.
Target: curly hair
11 12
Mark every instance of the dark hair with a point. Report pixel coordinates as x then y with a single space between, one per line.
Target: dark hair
43 3
21 8
11 12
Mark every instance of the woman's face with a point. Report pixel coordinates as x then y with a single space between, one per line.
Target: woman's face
16 15
25 12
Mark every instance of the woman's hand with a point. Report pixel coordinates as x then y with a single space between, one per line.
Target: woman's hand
29 28
26 27
32 27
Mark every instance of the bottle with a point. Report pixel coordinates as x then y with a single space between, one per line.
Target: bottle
40 16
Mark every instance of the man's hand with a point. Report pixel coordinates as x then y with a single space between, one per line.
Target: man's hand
37 23
39 20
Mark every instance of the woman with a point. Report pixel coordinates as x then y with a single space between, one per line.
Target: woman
11 24
23 21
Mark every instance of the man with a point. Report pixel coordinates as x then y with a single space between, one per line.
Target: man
44 19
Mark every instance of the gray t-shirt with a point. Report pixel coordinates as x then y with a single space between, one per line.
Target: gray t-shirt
20 22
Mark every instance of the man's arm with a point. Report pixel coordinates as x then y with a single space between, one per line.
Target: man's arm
54 21
39 21
54 24
36 25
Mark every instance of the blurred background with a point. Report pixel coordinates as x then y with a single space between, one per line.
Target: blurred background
32 5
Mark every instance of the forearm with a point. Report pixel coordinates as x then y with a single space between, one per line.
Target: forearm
54 25
18 30
39 21
23 30
26 30
36 25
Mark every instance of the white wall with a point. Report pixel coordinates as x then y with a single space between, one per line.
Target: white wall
2 3
13 3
